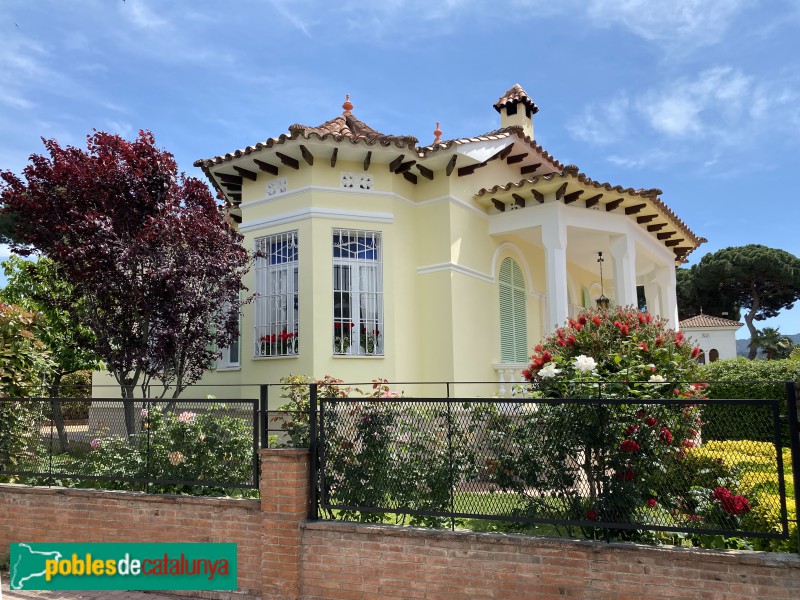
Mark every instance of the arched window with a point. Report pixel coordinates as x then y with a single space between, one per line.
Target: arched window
713 355
513 323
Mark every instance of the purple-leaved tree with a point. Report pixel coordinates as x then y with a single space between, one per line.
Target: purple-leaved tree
149 251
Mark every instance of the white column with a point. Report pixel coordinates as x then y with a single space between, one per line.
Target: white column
554 238
652 296
623 251
665 277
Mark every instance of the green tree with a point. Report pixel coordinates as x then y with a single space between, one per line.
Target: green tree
774 345
24 369
761 280
694 299
40 287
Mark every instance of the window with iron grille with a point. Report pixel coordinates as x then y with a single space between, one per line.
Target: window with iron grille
513 321
230 358
357 292
276 303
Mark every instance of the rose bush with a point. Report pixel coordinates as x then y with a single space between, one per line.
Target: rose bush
610 458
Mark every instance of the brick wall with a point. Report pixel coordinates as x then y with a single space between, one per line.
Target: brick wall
36 514
284 557
350 561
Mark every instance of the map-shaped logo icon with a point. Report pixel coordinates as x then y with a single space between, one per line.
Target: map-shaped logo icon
28 565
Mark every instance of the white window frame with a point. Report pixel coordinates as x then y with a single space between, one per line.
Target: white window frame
232 355
357 293
276 322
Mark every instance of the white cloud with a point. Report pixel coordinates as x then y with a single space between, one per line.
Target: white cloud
679 24
138 13
602 124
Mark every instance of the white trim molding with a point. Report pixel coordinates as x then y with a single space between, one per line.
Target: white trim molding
316 213
455 268
514 249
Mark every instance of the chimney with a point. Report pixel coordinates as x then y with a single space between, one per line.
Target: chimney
516 108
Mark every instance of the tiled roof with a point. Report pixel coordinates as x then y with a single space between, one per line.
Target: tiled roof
515 94
343 127
708 321
497 134
347 126
571 172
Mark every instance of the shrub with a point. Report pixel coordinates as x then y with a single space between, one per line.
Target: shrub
745 379
608 461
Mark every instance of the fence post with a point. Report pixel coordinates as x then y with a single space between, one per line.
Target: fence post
263 408
313 436
794 442
450 456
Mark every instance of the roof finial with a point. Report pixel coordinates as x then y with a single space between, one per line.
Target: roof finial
347 106
438 133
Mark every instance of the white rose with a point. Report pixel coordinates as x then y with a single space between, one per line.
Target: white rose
549 370
657 379
584 363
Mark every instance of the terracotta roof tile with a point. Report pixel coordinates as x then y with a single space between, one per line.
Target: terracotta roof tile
497 134
515 94
708 321
571 171
343 127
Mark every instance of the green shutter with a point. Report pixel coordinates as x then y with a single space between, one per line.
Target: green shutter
513 320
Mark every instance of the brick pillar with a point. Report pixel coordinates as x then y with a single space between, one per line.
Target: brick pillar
285 500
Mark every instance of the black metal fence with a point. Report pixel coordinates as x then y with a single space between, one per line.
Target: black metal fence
622 468
195 446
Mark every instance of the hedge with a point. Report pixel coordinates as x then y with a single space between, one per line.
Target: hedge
745 379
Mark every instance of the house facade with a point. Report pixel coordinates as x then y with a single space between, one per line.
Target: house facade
381 257
715 336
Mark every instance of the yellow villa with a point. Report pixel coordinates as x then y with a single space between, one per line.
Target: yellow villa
381 257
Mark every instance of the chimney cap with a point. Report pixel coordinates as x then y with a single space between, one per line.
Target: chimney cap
515 94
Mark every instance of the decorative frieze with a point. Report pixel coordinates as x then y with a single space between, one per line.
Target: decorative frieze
276 186
356 181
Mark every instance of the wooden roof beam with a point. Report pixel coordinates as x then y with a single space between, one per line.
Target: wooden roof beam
632 210
645 219
405 166
367 160
506 151
334 156
538 195
288 160
451 165
307 156
425 172
470 169
410 177
519 200
266 167
396 163
232 187
613 204
498 205
593 201
251 175
516 158
561 191
529 168
652 228
235 197
229 178
570 198
665 235
671 243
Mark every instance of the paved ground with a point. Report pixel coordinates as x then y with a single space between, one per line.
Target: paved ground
8 595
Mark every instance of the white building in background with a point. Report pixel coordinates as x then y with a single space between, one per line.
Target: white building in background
715 336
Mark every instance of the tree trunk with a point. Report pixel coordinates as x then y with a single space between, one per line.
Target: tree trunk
128 407
58 415
749 318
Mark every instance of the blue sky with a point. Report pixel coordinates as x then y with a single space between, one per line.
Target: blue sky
700 98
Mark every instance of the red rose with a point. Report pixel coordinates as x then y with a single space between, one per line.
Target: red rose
582 320
679 336
688 443
629 446
561 342
538 348
659 341
643 346
650 421
591 514
627 475
695 352
652 503
631 429
570 341
596 320
546 357
624 329
526 374
640 414
578 326
665 436
649 318
641 319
